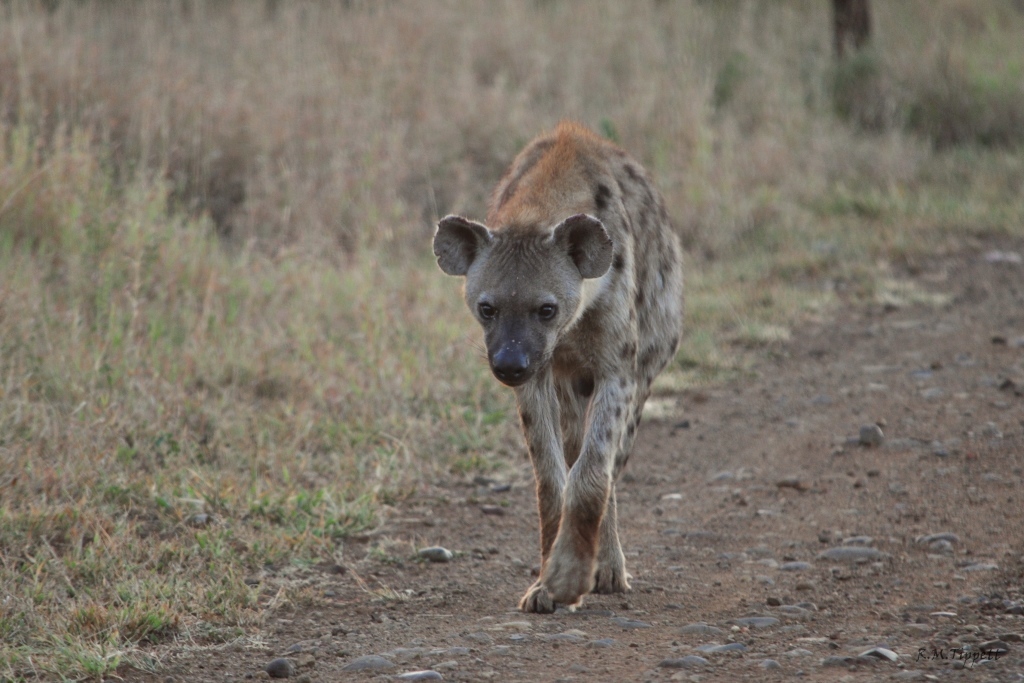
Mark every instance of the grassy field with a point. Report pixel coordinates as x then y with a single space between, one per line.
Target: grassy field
224 344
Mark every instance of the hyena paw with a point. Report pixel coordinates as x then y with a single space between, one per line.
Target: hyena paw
611 578
537 600
568 579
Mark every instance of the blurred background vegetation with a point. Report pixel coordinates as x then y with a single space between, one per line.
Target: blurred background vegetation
224 345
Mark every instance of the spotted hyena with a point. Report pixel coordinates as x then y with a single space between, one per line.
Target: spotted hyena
577 282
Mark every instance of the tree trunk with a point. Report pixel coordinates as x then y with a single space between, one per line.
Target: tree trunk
851 25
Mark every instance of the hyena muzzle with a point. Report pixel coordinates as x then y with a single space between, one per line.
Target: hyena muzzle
577 282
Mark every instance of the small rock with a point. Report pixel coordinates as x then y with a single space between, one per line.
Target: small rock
880 653
792 483
701 628
1011 637
448 665
980 567
769 664
997 256
495 510
601 643
909 675
991 430
871 435
200 520
280 668
688 662
425 675
629 623
995 647
851 554
794 566
836 660
562 638
436 554
799 652
728 647
941 536
859 540
479 637
755 622
368 663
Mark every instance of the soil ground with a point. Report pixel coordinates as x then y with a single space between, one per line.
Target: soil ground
726 511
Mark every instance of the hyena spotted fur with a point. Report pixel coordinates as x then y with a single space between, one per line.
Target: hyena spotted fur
577 282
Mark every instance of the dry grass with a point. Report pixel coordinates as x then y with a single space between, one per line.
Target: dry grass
224 346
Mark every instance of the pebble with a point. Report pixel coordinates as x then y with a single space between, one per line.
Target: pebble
880 653
368 663
200 519
871 435
799 652
436 554
794 566
793 611
792 483
563 637
280 668
629 623
447 665
755 622
601 643
836 660
941 536
995 647
701 628
909 675
932 393
687 662
859 540
851 554
980 567
769 664
728 647
425 675
991 430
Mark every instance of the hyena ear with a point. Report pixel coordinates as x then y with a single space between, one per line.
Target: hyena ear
457 242
587 242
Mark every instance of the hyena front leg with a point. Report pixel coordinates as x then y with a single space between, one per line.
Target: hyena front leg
569 571
612 576
539 413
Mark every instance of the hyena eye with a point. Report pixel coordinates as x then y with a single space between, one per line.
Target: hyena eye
547 311
487 311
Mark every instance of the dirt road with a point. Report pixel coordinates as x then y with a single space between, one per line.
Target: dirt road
754 499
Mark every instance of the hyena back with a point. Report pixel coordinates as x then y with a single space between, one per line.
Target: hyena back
577 283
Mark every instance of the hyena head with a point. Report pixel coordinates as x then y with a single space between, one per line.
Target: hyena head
523 286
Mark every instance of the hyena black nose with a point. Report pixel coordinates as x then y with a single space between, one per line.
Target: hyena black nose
511 366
